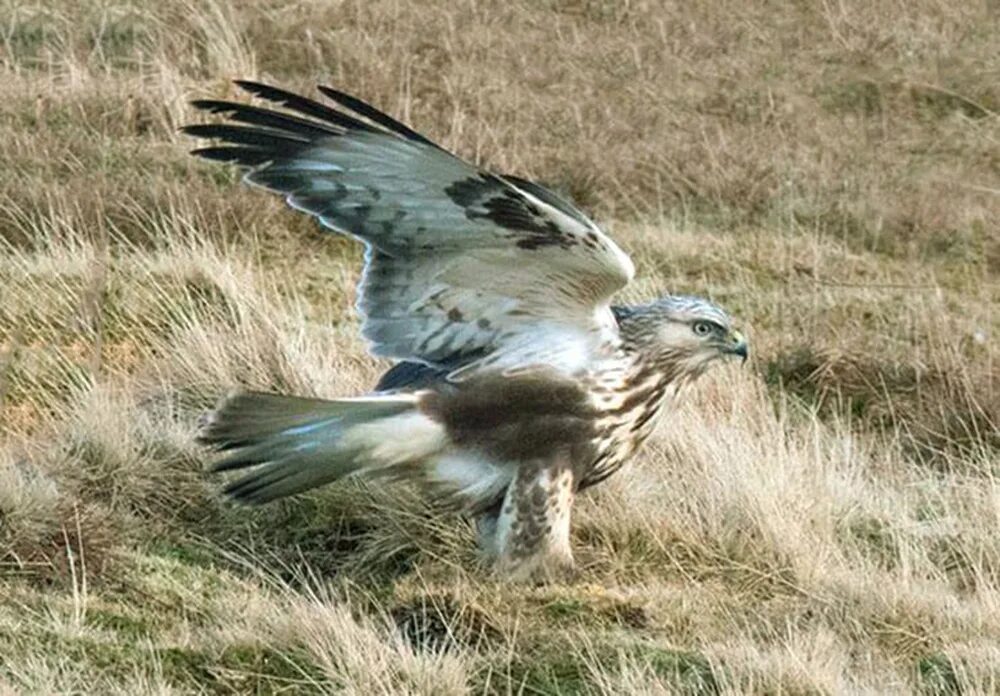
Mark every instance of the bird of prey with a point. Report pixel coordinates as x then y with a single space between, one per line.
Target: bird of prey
517 383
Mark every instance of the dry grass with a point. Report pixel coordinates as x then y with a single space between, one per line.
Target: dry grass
823 522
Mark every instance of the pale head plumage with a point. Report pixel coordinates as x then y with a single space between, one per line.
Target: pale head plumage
681 332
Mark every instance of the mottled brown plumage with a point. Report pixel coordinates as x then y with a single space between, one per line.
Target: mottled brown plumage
517 418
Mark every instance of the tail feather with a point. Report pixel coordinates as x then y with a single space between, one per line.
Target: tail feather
301 443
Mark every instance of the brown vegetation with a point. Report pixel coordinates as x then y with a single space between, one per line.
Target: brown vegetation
823 522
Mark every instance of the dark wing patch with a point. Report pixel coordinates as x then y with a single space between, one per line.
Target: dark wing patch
548 196
488 197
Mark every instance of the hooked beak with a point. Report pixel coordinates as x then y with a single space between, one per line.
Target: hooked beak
737 344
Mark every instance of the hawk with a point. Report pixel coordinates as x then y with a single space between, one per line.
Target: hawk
517 383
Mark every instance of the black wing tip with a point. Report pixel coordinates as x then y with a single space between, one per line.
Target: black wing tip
266 91
363 108
257 87
383 123
200 130
251 85
244 156
215 106
336 94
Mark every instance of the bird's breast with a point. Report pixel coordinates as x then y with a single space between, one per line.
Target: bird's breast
627 402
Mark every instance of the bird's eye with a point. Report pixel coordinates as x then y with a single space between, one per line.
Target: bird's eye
702 328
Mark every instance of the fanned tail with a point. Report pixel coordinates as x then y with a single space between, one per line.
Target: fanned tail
298 444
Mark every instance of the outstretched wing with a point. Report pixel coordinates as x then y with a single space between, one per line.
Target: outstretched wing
462 266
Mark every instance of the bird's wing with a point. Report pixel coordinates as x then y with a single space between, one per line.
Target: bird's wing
463 267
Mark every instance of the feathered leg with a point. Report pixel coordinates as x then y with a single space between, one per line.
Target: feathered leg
532 532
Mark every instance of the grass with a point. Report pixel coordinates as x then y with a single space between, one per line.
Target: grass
822 521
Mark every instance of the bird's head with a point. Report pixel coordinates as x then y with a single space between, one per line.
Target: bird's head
688 333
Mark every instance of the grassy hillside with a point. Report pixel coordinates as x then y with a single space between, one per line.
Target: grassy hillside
824 520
